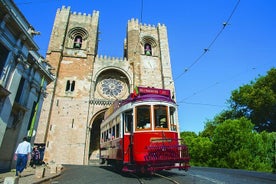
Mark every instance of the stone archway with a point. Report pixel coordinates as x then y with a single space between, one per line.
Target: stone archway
94 142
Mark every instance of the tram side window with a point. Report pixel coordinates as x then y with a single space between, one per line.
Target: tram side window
105 136
102 137
109 134
117 124
113 132
160 116
128 121
173 125
117 130
143 117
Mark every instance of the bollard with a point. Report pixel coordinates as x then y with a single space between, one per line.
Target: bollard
39 172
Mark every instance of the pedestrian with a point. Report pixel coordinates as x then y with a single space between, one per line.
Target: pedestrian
35 157
22 154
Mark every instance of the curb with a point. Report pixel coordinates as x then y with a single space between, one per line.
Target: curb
46 178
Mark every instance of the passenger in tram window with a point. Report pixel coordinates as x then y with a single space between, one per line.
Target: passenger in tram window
109 135
163 123
141 124
145 123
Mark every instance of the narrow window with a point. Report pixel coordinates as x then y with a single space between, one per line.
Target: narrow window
113 132
20 90
173 124
78 42
73 86
70 86
128 120
117 130
73 123
3 57
147 48
67 85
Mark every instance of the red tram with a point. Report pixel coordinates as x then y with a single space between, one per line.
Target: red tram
140 134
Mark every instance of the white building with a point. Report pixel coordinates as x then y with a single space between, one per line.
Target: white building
24 75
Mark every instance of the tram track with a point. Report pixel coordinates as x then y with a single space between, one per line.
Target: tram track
167 178
137 177
146 179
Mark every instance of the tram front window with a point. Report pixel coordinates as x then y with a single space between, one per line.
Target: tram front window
160 116
143 117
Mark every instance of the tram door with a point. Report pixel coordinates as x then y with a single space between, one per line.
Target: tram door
128 120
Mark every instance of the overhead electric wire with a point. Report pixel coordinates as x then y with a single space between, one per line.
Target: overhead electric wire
212 42
214 84
142 9
31 2
204 104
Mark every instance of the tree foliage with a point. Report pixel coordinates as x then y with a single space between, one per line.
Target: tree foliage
233 144
257 101
243 136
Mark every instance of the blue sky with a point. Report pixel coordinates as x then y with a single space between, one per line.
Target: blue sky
244 50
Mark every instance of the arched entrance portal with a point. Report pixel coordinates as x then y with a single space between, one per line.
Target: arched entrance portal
94 144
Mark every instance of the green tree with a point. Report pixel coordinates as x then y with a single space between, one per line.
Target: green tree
199 148
230 136
257 101
236 145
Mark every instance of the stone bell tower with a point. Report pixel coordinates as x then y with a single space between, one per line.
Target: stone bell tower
86 83
146 47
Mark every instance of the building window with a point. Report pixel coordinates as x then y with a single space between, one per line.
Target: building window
148 50
70 86
20 90
77 37
111 87
3 57
78 42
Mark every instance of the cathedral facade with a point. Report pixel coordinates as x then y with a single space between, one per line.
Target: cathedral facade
86 84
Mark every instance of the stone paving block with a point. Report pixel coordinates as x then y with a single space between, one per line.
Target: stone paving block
11 180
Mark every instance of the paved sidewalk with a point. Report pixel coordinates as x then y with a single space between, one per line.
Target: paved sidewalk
28 176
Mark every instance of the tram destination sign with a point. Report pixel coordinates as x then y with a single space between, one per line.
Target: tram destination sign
157 91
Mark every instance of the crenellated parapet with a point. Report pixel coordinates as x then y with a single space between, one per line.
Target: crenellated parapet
94 14
133 24
78 14
105 58
64 8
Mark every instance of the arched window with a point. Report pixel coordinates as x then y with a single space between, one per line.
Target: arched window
78 42
147 48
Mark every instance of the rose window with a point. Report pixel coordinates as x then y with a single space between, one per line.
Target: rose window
111 87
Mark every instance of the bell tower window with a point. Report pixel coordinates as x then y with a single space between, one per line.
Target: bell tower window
78 42
77 38
148 46
148 50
